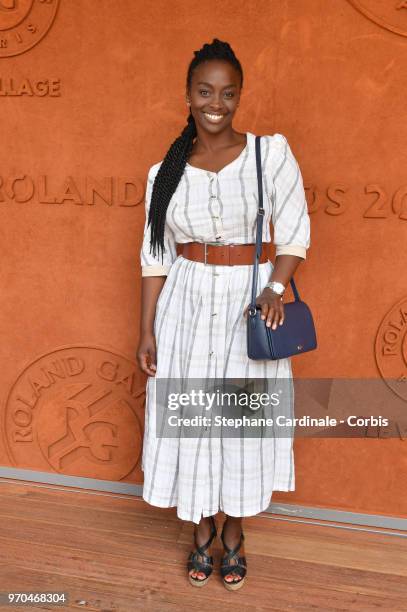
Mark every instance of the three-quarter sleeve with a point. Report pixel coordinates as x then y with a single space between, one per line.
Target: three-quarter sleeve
290 216
150 265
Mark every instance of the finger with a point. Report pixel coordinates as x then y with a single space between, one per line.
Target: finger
264 310
276 319
153 359
270 316
282 314
277 316
152 362
146 366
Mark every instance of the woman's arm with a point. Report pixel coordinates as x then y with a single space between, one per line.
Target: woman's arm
271 303
291 225
284 268
151 287
154 271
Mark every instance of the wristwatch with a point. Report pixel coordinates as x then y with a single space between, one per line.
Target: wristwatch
277 287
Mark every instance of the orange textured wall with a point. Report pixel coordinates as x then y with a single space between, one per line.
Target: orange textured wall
92 94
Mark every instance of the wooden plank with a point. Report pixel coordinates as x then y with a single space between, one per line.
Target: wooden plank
123 554
286 585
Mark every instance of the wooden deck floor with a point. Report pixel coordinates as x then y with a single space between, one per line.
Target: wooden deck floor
116 553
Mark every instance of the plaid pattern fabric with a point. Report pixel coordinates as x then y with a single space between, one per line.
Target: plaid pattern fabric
201 332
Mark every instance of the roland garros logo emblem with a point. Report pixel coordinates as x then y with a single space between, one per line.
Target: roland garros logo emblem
23 23
391 349
77 410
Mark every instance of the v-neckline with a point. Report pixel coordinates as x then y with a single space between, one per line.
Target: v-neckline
248 134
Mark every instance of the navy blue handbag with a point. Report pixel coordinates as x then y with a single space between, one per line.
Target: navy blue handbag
297 334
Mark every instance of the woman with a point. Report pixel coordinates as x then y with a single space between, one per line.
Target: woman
194 313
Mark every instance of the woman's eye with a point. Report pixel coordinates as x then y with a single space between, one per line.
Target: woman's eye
205 91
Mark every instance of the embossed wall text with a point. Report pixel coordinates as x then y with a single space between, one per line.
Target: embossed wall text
371 202
87 191
30 87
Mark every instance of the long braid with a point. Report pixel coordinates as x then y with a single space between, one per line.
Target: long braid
174 162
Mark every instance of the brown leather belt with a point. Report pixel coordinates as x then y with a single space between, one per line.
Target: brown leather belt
216 253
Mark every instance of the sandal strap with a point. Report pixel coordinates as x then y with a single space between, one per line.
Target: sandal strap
240 568
202 559
232 551
201 549
200 566
198 559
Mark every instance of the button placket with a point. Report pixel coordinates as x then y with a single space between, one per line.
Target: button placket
216 216
218 228
217 346
213 315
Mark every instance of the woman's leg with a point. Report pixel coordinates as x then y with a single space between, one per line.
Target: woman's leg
232 530
202 533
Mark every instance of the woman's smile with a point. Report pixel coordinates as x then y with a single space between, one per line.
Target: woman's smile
213 117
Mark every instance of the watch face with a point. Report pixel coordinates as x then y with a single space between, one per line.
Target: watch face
278 287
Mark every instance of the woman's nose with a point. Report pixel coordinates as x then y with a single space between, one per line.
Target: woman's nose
216 101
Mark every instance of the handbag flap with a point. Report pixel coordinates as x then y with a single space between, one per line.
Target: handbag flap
296 334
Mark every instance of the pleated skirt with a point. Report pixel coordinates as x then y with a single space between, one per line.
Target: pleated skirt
200 333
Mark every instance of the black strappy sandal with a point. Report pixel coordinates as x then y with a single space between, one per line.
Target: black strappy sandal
200 561
239 569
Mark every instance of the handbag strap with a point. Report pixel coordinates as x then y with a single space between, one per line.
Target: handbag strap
259 234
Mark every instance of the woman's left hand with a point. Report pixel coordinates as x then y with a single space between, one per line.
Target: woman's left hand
272 307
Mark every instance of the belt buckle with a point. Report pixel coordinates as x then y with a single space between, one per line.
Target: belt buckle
206 250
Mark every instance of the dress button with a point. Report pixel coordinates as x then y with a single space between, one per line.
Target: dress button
211 353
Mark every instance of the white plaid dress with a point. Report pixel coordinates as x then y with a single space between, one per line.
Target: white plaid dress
200 329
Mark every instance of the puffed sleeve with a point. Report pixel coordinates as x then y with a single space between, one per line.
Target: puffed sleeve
150 265
290 216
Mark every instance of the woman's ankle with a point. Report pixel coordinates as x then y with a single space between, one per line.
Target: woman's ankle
232 531
203 530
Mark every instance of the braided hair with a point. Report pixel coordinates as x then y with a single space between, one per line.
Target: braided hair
173 164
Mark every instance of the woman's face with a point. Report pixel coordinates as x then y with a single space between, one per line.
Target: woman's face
214 95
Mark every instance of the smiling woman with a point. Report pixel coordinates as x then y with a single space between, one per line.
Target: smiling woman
214 102
201 209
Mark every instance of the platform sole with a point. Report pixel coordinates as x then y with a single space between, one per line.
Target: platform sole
198 582
233 586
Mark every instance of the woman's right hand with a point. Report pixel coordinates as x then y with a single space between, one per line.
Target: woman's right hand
147 354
